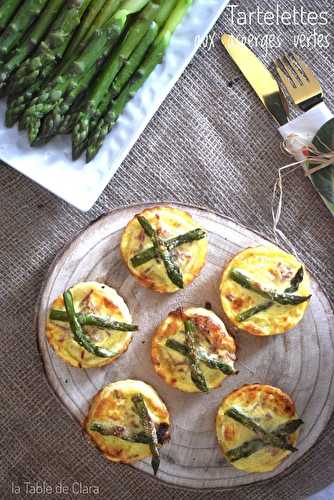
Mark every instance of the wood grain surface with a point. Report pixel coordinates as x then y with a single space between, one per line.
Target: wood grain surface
300 362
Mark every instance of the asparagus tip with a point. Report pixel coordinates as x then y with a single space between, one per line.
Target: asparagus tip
155 465
90 154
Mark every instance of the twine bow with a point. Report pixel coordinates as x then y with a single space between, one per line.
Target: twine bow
296 145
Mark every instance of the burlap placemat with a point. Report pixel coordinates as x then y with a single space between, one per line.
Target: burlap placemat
210 144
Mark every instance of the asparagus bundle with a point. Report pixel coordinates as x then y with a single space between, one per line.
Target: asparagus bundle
7 9
28 80
53 47
72 66
56 117
152 59
136 33
84 30
101 41
31 40
25 16
66 126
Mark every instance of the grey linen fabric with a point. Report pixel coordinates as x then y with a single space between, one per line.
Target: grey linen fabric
210 144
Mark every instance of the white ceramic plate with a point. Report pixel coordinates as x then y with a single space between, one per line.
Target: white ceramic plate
300 362
80 184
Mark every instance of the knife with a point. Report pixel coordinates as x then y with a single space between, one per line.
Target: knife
259 77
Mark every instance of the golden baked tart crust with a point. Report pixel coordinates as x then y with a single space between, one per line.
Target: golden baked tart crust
273 268
211 336
113 405
169 223
270 408
95 298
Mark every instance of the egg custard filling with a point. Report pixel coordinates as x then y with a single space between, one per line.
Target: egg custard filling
192 351
164 248
264 291
257 427
89 325
128 422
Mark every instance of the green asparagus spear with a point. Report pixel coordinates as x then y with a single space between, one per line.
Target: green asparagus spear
150 253
214 362
78 333
248 313
250 447
172 269
196 373
294 285
245 450
31 40
152 59
205 357
84 27
288 428
107 429
109 71
282 298
149 429
245 420
19 24
86 319
296 281
7 10
41 64
181 239
270 439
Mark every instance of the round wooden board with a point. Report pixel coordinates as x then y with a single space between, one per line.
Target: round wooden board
300 362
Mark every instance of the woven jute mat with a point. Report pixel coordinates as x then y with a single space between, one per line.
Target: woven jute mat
210 144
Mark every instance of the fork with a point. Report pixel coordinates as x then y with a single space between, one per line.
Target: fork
300 81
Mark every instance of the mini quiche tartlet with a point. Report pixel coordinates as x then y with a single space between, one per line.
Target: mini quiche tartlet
89 325
264 291
257 427
128 422
192 351
164 248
